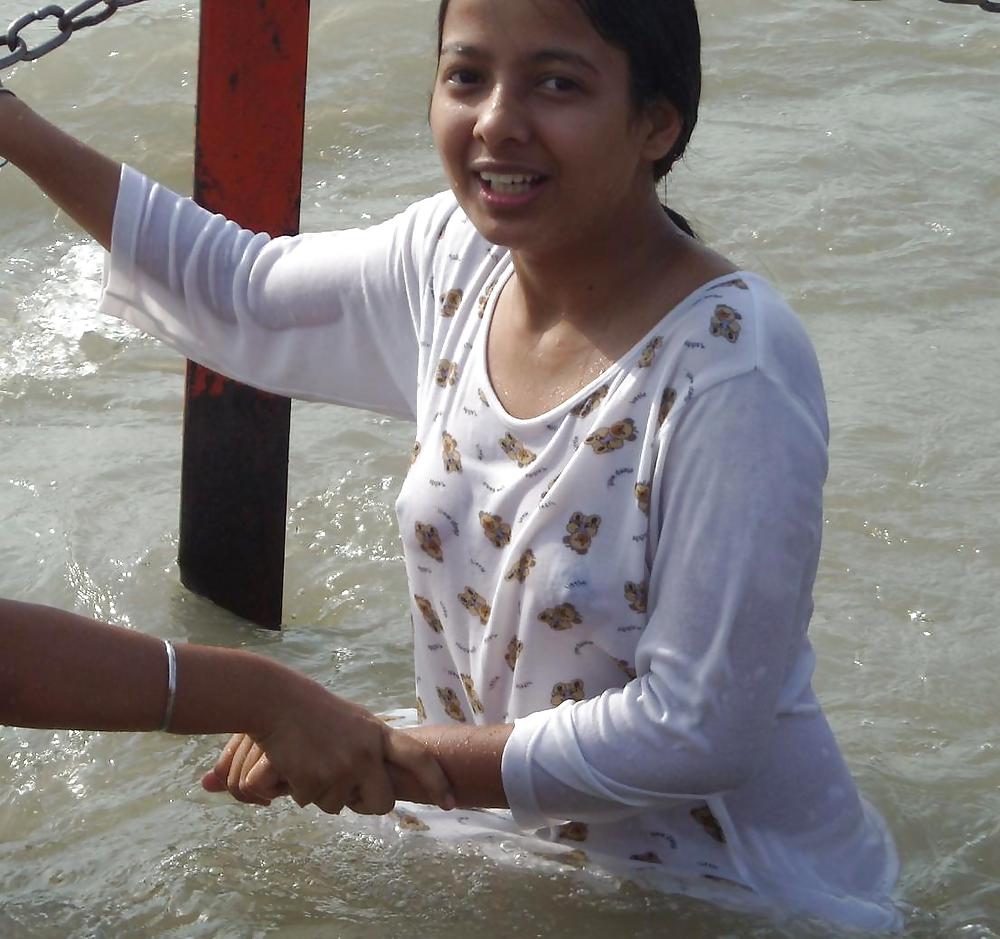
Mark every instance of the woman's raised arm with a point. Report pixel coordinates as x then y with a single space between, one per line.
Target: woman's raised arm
81 181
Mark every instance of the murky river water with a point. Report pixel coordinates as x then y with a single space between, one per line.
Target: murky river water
848 151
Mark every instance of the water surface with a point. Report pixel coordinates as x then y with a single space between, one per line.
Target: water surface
847 151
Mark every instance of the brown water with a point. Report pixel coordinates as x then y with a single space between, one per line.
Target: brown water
848 151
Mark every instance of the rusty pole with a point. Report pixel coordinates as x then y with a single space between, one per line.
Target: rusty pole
248 166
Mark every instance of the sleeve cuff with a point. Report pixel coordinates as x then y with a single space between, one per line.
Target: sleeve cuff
516 772
120 260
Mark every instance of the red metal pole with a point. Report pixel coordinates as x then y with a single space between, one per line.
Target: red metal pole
248 166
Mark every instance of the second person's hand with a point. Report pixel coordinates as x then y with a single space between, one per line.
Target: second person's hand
321 749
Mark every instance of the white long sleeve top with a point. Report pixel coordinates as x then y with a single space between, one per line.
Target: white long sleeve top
626 578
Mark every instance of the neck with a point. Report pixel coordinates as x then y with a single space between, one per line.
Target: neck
599 271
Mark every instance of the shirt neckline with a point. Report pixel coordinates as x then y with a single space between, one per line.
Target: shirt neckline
503 278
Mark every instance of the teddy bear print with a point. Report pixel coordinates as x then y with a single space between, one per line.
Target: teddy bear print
635 596
667 403
649 353
430 541
582 531
517 450
609 439
643 493
408 822
726 323
421 710
704 817
569 858
567 691
590 404
564 616
629 671
514 648
427 611
519 571
450 302
447 373
452 706
415 453
452 458
572 831
470 691
475 604
495 529
484 299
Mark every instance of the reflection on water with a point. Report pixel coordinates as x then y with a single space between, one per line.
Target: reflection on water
844 151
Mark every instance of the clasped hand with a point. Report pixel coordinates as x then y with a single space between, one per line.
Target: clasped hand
331 753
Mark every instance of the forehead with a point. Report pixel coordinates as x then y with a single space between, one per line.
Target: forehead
498 24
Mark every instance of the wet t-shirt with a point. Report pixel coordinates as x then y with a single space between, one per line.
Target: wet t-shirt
626 578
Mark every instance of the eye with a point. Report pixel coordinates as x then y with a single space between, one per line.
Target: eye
560 84
461 77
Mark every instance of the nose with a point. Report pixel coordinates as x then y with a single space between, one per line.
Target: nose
502 118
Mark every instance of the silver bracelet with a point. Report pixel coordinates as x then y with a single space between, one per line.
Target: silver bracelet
168 711
5 91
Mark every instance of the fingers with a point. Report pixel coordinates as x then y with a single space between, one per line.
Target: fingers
211 782
375 794
411 755
263 780
237 759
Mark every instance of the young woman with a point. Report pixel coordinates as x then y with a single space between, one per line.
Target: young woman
612 520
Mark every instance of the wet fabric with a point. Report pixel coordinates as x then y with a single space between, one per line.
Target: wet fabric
627 577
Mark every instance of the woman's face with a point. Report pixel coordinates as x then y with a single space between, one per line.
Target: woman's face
533 119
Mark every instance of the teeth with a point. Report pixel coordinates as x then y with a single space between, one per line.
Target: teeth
509 182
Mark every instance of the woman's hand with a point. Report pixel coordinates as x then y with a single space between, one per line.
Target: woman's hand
325 751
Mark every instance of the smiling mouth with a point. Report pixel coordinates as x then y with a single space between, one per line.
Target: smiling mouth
510 184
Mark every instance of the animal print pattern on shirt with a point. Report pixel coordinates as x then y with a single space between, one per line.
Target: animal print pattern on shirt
726 322
470 692
452 458
514 649
635 596
452 705
567 691
447 374
582 531
520 571
427 611
609 439
450 303
430 541
475 604
517 450
590 404
497 531
564 616
643 495
667 403
649 353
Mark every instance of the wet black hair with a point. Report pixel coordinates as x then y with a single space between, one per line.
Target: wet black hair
662 39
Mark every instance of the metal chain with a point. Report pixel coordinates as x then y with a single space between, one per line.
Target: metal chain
67 21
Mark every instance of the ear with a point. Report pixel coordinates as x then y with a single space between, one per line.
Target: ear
663 127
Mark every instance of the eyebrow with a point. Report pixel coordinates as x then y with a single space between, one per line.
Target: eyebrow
542 55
